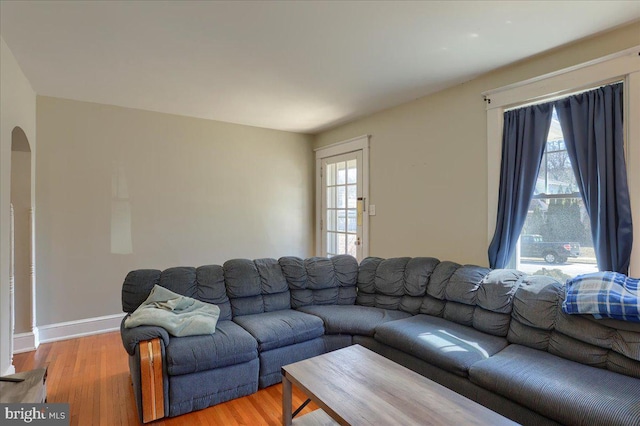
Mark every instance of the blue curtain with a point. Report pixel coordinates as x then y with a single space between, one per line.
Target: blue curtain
523 140
593 133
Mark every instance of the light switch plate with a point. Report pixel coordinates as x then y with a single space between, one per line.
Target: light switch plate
372 209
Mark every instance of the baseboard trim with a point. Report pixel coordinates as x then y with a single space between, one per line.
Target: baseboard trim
25 342
79 328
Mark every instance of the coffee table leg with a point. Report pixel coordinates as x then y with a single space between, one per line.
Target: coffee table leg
286 401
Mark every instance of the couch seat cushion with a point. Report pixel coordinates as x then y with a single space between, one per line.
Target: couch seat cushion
445 344
281 328
565 391
229 345
353 319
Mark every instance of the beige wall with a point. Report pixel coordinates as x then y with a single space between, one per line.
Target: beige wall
121 189
21 202
428 159
17 109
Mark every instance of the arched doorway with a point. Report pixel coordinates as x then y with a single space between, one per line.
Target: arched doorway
22 267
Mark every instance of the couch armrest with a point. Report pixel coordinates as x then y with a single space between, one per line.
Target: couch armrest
131 337
151 380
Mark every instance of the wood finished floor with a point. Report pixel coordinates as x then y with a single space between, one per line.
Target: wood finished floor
92 375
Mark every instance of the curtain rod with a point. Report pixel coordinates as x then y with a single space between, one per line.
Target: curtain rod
572 92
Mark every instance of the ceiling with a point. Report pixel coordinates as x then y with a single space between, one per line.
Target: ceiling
301 66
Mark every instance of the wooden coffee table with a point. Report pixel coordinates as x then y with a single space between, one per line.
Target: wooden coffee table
355 386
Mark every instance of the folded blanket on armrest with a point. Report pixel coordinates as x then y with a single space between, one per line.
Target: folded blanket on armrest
179 315
603 294
131 337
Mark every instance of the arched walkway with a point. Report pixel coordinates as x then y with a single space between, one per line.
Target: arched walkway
22 267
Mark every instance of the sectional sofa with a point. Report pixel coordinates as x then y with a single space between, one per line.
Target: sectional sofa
498 337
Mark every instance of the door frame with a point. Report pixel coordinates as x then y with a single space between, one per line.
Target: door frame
360 143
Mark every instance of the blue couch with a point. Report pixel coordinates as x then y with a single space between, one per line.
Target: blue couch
498 337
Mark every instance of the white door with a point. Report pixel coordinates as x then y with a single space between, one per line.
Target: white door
343 205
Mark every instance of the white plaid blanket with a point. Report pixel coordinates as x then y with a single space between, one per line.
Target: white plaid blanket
603 294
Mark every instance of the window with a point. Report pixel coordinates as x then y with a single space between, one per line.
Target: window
557 232
625 66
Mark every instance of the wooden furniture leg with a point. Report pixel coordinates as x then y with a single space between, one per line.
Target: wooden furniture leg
286 401
151 380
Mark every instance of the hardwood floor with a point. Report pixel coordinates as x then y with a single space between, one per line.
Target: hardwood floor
92 375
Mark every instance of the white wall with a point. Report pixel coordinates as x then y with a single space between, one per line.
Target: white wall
122 189
17 108
21 201
428 159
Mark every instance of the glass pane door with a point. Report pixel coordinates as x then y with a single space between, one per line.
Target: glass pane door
342 205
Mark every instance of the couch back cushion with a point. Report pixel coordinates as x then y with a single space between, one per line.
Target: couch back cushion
466 294
245 287
256 286
474 296
398 283
478 297
538 322
205 283
321 280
